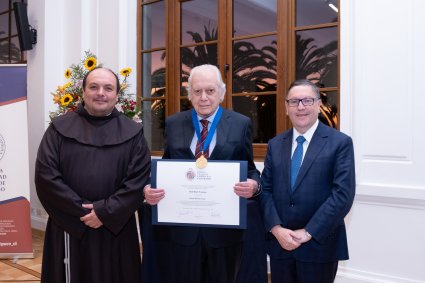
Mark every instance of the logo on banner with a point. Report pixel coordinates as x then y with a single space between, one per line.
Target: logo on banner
2 146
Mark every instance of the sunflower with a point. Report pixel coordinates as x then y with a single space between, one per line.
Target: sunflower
67 73
66 99
125 72
68 84
68 95
90 63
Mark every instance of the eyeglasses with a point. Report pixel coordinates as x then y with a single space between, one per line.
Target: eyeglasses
304 101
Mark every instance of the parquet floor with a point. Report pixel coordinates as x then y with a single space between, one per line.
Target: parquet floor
24 270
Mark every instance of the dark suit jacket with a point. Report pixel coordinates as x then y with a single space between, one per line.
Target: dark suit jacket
322 196
234 142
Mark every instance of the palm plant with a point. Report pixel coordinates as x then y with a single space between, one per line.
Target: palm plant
312 60
253 69
201 54
5 48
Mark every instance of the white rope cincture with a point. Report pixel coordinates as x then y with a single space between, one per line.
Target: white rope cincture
67 259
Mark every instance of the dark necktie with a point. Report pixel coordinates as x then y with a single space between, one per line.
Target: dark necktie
297 158
204 134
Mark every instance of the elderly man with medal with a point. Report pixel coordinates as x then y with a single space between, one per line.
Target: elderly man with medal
202 253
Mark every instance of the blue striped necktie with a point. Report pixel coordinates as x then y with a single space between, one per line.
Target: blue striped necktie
297 158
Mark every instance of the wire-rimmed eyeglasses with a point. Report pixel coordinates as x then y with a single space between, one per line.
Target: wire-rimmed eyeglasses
305 101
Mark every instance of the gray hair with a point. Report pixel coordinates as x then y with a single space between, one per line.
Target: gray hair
305 82
205 68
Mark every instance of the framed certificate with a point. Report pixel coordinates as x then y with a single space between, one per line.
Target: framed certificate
199 197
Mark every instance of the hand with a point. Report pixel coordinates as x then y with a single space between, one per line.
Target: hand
246 189
287 239
91 218
152 195
302 236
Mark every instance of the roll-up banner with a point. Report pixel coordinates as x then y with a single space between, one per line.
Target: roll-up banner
15 223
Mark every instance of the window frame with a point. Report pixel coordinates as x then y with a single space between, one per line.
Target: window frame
285 70
9 36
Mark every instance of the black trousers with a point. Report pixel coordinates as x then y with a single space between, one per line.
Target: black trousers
253 265
293 271
200 263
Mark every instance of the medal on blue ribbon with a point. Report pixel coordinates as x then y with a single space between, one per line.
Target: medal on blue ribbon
202 162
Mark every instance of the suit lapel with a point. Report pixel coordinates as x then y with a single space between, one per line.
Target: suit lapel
223 128
316 145
286 158
188 132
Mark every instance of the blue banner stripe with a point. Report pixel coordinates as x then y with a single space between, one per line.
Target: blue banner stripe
13 83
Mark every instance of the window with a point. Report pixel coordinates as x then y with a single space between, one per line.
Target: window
260 46
316 47
9 41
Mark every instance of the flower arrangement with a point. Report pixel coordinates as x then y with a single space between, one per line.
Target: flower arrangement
69 95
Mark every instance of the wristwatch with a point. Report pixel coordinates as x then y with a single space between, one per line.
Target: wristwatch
307 234
258 191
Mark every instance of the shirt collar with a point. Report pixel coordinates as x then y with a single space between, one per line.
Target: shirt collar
209 118
308 135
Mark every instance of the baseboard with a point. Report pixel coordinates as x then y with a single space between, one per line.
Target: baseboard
38 223
349 275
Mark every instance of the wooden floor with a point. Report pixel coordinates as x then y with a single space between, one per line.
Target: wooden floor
24 270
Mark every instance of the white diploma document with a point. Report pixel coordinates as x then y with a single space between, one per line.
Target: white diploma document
199 197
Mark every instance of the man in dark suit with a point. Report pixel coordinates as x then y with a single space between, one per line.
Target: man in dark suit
304 212
193 254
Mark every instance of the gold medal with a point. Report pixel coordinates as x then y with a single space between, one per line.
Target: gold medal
201 162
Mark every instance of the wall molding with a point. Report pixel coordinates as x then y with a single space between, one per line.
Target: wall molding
411 197
38 218
354 275
38 222
390 202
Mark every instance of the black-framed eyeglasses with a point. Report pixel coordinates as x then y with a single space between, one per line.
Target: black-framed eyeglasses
305 101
